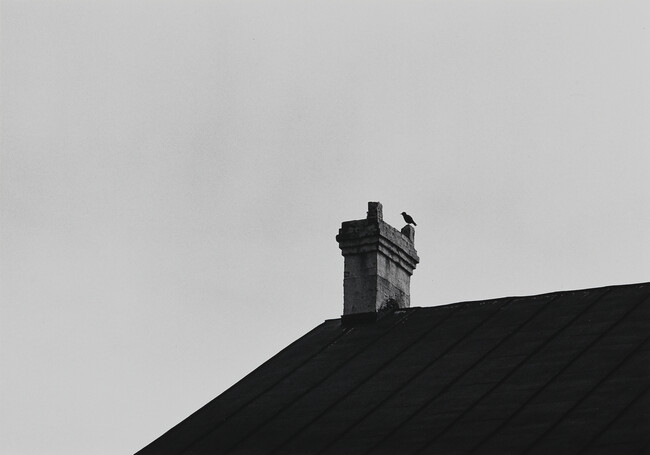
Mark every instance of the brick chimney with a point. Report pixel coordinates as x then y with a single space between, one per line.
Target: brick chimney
379 262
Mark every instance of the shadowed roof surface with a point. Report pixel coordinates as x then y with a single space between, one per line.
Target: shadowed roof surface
566 372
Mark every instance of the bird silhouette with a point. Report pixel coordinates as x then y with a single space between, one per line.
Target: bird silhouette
408 219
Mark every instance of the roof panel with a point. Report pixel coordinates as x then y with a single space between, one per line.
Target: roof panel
566 372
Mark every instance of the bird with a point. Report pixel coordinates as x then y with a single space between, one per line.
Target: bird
408 219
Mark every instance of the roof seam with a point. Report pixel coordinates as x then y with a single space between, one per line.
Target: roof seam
584 397
603 379
557 374
621 413
503 340
370 376
460 340
535 351
351 329
262 392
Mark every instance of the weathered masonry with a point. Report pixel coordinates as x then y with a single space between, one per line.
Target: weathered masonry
379 262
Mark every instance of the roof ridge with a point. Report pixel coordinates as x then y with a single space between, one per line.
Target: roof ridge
532 296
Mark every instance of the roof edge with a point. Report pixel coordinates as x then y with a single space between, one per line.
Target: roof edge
524 296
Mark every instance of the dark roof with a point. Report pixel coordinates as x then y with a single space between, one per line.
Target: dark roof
566 372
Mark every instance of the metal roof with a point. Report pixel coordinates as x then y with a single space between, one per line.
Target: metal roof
559 373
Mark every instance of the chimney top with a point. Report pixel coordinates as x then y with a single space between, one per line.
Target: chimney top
379 262
375 211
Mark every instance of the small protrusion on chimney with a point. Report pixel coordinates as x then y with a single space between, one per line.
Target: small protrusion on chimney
409 231
375 211
379 262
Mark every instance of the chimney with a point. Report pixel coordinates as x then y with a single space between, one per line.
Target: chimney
379 262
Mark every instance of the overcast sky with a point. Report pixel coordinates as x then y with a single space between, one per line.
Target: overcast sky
173 175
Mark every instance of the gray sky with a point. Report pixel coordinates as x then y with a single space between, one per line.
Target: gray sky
173 175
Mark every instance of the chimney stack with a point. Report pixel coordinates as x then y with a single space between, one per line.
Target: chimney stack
379 262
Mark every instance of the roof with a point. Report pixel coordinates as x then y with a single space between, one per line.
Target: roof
566 372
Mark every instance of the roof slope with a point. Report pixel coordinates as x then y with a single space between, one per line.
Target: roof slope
566 372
